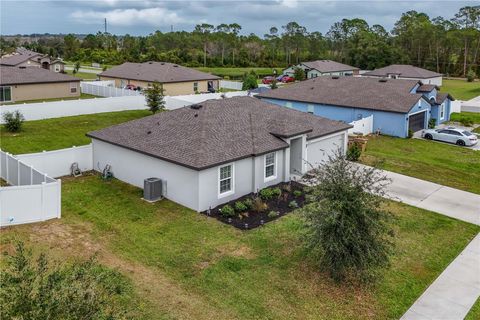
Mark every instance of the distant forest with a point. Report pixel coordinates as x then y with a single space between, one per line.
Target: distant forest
450 46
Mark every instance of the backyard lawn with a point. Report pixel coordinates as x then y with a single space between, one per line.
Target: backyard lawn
461 89
438 162
185 265
237 73
58 133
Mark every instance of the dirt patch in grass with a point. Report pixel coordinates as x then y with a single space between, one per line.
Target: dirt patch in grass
75 241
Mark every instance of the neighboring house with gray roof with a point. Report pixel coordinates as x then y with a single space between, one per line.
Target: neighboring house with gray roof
26 58
23 83
219 150
407 72
397 106
176 80
319 68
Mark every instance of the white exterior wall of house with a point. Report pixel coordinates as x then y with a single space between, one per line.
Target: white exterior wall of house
199 190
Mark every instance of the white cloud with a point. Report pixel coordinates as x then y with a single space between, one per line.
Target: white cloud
289 3
129 17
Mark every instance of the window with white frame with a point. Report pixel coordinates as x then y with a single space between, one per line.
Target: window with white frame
195 86
442 111
57 68
225 179
270 166
5 94
73 87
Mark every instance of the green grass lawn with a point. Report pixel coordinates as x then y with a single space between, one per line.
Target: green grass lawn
185 265
57 133
461 89
474 313
438 162
237 73
83 75
82 96
471 116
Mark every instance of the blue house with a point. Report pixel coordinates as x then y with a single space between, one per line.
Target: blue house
397 106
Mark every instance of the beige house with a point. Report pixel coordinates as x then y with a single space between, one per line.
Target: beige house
22 83
26 58
176 80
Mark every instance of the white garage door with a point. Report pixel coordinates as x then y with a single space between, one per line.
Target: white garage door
319 150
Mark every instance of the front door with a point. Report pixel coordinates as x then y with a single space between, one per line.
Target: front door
296 156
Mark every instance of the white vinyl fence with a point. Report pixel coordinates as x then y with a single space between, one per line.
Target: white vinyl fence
363 126
106 89
56 109
57 163
455 106
31 196
233 85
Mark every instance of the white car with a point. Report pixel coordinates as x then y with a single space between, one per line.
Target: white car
452 135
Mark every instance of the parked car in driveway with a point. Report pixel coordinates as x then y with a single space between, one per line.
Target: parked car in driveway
451 135
285 78
268 79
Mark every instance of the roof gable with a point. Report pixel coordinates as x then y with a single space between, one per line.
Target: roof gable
328 66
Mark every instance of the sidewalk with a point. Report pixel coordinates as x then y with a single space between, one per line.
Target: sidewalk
453 293
427 195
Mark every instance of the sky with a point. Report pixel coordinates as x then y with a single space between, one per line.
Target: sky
144 17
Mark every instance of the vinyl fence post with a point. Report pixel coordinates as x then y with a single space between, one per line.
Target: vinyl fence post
31 175
18 172
59 192
43 201
6 161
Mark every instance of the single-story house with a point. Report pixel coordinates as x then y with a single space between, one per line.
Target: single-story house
397 106
176 80
19 84
408 72
214 152
26 58
319 68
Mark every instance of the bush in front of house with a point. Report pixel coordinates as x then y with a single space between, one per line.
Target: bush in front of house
249 81
354 152
297 193
240 206
293 204
227 211
259 205
39 288
270 193
471 75
273 214
13 121
248 203
410 133
431 123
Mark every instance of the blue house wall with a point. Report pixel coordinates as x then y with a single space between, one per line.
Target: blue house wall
436 112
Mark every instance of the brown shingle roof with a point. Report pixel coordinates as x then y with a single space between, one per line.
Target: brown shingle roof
15 75
353 92
403 70
219 132
328 66
426 88
162 72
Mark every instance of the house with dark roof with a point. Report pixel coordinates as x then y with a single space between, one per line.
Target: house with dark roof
397 106
319 68
214 152
407 72
23 83
176 80
26 58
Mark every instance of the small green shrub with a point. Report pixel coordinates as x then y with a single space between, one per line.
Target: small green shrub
276 192
227 211
410 133
471 75
297 193
431 123
273 214
248 203
13 121
270 193
293 204
240 206
354 152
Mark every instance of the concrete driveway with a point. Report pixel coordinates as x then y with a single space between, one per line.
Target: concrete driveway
427 195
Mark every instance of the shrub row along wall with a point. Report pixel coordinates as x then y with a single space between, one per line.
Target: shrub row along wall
31 196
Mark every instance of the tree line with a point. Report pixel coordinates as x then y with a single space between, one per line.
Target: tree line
449 46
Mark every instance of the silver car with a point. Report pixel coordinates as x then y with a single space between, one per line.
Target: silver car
452 135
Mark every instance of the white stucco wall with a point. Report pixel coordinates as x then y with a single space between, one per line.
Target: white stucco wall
133 167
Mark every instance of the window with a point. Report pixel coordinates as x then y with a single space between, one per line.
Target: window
310 108
5 94
226 180
73 87
289 105
57 68
195 87
442 111
270 166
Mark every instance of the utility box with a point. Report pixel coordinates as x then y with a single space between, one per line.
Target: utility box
152 189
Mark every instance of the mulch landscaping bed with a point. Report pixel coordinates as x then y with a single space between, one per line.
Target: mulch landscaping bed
251 219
